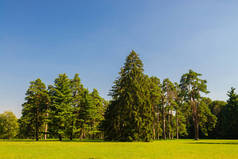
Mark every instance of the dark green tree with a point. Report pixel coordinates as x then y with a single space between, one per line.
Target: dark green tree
217 108
61 110
86 115
77 93
129 115
230 115
35 108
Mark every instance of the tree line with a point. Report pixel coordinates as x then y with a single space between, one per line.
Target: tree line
142 108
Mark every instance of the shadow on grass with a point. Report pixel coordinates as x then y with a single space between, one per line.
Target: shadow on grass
215 143
51 140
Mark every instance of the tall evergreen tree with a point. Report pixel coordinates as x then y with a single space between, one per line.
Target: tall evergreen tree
35 108
61 106
129 116
77 93
86 114
230 115
98 112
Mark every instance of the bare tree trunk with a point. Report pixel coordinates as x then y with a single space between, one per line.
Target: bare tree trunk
164 133
46 127
177 131
169 124
158 126
60 137
195 121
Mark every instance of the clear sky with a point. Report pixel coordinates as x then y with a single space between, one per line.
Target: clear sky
42 38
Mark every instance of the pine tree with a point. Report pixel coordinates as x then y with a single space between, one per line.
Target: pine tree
192 86
35 108
61 106
129 116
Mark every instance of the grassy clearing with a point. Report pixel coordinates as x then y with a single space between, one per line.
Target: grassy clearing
174 149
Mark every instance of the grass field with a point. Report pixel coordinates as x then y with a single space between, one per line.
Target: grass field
173 149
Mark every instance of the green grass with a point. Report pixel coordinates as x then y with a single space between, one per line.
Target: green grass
173 149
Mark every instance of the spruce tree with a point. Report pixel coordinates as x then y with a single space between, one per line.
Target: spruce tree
129 116
98 112
77 93
61 106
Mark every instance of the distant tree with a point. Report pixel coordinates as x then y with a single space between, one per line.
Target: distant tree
192 86
35 108
8 125
61 106
129 115
230 115
217 108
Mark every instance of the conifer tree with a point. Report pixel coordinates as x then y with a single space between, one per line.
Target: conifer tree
192 86
77 93
129 116
35 108
86 114
98 111
61 106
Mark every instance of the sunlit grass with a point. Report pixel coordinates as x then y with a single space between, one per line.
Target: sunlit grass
173 149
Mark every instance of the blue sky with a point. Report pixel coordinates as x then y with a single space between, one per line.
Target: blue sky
40 39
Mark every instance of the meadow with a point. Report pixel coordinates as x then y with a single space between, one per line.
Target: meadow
169 149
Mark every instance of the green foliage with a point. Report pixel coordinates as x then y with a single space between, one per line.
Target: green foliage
60 106
34 112
8 125
129 115
230 116
192 86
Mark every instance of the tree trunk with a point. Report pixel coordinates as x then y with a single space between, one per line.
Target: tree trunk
169 132
158 126
196 128
195 121
46 127
164 133
60 138
177 131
